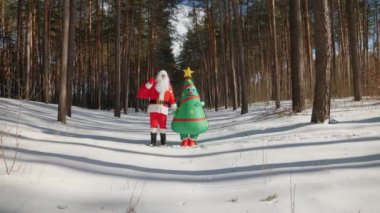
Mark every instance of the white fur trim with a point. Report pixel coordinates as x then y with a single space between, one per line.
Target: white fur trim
162 130
174 107
162 94
160 108
148 85
153 130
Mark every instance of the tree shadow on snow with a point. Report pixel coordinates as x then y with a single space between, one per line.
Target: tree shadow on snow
184 156
256 132
362 121
116 169
291 145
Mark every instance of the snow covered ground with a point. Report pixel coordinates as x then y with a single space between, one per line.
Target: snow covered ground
264 161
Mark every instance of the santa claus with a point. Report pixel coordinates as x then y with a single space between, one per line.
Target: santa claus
159 92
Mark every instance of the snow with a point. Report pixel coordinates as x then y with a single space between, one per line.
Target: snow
263 161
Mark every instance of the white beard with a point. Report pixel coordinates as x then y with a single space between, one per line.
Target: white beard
162 84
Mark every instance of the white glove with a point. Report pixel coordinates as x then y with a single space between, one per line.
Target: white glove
150 83
174 107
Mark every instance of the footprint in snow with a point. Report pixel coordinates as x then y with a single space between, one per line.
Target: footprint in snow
62 206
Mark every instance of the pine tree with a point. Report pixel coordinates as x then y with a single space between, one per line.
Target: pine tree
273 31
241 57
71 56
117 61
62 111
297 60
321 106
354 46
46 50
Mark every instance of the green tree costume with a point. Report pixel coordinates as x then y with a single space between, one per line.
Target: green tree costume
189 119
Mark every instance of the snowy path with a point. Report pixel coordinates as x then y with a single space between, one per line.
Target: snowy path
258 162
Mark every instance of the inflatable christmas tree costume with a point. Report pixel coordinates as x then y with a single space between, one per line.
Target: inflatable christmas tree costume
189 119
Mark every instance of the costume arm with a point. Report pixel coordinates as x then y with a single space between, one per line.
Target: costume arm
150 83
199 104
172 99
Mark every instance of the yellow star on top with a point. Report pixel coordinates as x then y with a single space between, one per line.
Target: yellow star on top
188 72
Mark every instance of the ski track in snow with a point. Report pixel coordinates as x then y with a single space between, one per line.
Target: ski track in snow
244 163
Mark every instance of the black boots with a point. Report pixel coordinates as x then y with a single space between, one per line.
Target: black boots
153 139
163 139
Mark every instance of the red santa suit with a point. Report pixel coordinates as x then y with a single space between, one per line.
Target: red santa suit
159 101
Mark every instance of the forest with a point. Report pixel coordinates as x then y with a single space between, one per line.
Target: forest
95 53
272 106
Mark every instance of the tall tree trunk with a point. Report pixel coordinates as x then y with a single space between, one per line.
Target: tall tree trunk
223 27
212 51
71 56
215 58
354 52
344 63
232 58
288 69
138 79
3 62
19 67
62 111
117 62
150 41
307 38
242 71
58 65
126 58
321 105
365 54
297 60
35 56
333 50
377 29
46 51
98 63
274 60
29 49
90 71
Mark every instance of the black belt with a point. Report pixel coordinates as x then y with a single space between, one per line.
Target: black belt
159 102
